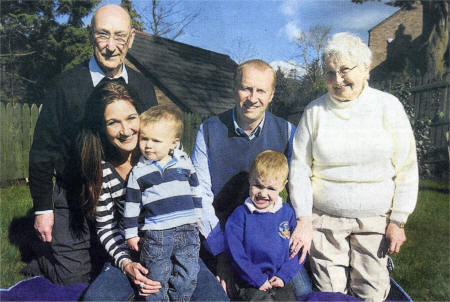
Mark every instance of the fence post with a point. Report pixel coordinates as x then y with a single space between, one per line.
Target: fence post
26 139
3 142
16 142
6 133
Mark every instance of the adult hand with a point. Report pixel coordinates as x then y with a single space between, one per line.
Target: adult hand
43 224
276 282
137 273
224 273
301 238
395 237
265 286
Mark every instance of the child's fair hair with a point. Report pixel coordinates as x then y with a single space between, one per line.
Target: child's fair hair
270 164
168 113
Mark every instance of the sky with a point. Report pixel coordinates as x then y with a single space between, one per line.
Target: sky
266 29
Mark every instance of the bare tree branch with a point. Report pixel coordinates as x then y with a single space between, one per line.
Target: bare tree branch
167 18
310 45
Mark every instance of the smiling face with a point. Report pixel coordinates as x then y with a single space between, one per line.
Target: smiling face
113 22
122 125
253 94
346 79
264 192
157 139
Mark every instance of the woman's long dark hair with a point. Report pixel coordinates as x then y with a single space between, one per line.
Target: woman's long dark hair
92 142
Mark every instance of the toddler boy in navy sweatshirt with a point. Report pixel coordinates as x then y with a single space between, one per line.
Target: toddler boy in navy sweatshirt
257 234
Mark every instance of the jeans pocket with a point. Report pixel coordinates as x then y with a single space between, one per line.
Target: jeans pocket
152 246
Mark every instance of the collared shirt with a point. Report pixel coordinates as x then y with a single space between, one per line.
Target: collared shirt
241 132
276 207
97 73
209 219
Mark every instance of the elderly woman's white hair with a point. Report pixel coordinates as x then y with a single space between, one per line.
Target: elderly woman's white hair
349 46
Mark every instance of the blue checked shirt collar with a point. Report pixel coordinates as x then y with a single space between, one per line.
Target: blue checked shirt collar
255 133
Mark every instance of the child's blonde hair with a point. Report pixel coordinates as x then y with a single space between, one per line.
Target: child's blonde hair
270 164
168 113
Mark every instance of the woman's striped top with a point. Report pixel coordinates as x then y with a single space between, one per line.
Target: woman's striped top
110 209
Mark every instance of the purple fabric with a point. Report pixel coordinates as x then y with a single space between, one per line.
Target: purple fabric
324 296
41 289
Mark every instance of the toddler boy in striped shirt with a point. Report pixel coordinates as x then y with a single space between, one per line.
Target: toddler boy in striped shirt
163 185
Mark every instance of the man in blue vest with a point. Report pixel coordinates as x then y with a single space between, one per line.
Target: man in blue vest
224 150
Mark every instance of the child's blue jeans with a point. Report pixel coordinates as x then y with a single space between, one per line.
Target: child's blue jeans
171 257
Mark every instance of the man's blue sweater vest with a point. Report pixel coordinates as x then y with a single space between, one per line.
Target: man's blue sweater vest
231 155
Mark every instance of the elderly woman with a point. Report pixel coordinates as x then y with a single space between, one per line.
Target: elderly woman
354 176
108 151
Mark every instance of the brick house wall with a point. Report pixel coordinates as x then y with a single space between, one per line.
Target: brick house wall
405 25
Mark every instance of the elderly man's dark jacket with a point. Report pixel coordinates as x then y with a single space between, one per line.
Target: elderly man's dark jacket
54 145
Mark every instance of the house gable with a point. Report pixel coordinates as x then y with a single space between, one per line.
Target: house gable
195 79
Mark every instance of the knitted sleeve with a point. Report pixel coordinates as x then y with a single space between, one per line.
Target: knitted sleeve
300 189
404 160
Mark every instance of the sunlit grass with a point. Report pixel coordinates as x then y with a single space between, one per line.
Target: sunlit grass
15 201
422 267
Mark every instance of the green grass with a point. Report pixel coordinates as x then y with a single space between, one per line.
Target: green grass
422 267
15 201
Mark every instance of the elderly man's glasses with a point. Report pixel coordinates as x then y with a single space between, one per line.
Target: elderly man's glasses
103 37
343 72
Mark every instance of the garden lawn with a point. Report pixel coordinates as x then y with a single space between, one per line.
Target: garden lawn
15 201
422 267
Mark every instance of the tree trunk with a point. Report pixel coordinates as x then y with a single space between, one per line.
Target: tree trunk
435 37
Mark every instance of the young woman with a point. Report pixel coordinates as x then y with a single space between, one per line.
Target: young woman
108 151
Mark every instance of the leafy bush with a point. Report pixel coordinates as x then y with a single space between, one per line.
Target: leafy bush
421 127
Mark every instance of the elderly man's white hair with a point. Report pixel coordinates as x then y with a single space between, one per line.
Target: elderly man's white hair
349 46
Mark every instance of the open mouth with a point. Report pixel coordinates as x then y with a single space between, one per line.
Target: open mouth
261 200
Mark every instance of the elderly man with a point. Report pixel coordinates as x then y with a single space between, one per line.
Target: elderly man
65 252
225 148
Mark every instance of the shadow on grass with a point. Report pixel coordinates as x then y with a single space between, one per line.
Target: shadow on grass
434 189
22 234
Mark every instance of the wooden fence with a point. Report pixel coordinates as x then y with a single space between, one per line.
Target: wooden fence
429 98
17 128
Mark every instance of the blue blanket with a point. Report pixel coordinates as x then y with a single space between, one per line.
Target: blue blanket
41 289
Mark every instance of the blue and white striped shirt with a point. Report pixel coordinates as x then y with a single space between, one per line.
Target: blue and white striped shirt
168 195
